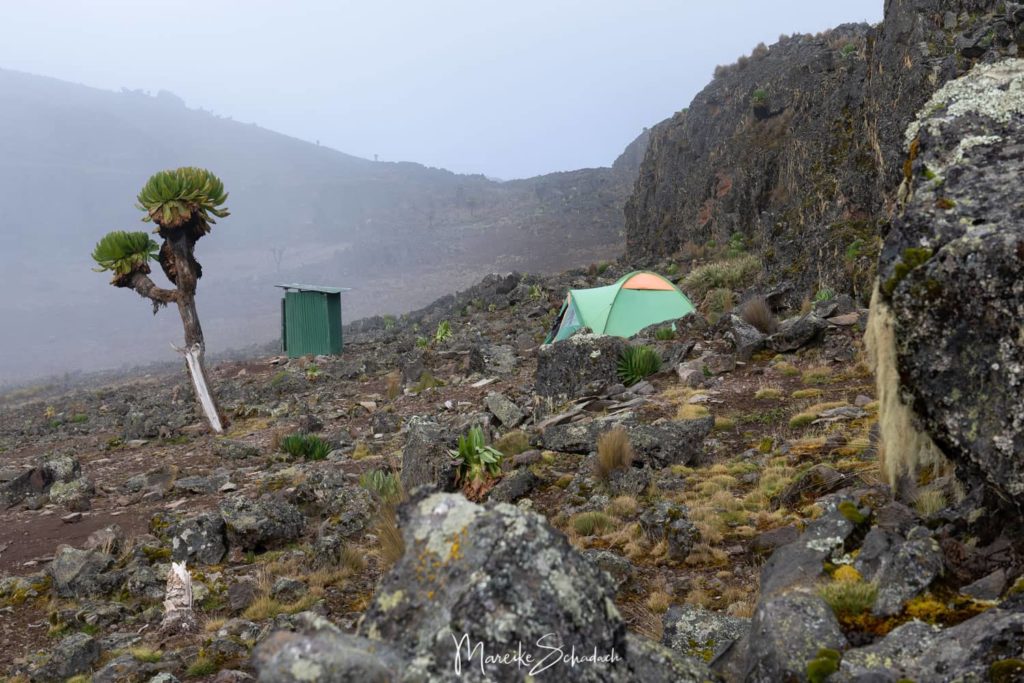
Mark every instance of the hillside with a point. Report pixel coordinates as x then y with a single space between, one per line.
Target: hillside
799 147
72 159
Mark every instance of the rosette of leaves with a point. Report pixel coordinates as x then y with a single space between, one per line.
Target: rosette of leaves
124 253
183 196
478 462
637 363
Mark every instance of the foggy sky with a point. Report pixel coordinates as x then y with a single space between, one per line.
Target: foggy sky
509 89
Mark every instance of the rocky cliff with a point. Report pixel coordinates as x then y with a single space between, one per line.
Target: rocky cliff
798 147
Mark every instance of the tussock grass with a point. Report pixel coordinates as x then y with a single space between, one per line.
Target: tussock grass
928 502
786 369
807 393
614 452
821 374
724 424
659 602
757 312
691 411
591 523
623 506
849 597
768 392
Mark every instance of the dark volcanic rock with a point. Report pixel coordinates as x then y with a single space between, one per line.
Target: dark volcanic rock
199 539
951 272
71 656
425 458
78 573
796 332
260 524
514 486
660 444
581 364
800 562
786 633
798 147
500 577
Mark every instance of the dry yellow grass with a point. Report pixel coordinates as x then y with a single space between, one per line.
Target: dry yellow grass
623 506
691 411
768 392
614 452
659 602
821 374
904 449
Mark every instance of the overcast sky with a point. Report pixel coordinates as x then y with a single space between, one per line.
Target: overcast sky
508 89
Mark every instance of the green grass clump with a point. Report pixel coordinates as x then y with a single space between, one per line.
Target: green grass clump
305 446
823 665
1006 670
637 363
202 666
819 375
145 654
79 418
513 443
427 381
734 273
807 393
849 597
768 393
590 523
383 484
664 334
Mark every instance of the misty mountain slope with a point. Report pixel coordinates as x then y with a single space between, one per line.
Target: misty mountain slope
72 159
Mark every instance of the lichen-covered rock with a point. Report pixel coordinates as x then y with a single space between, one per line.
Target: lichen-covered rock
796 332
425 458
74 494
37 480
579 365
73 655
514 486
787 632
78 573
475 585
231 449
909 567
331 492
746 339
660 444
971 651
699 633
496 359
668 521
951 268
199 539
800 562
260 524
503 408
324 653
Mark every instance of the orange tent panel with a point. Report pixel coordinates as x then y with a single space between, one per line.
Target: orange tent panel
647 281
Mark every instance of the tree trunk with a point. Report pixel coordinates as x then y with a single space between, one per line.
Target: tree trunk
187 271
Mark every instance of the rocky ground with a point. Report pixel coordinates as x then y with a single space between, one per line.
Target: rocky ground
741 443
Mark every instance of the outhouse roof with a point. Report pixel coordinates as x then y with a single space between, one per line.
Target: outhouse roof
315 288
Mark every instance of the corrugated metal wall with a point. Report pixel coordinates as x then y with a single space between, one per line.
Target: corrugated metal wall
312 322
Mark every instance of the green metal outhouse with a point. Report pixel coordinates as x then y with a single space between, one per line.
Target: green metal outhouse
311 320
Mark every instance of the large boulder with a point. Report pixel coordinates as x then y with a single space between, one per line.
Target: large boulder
425 458
950 271
199 539
39 479
582 364
79 573
786 633
72 656
481 593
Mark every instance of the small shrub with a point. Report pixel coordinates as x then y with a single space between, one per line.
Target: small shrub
202 666
717 303
623 506
735 273
590 523
312 372
536 293
759 97
79 418
305 446
614 452
637 363
758 313
849 598
147 655
422 342
824 294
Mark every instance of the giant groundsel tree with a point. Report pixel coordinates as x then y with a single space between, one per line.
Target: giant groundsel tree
183 204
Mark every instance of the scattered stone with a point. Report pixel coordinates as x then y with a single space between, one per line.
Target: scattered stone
800 562
531 457
288 590
660 444
231 449
73 655
667 520
74 494
492 359
78 573
617 567
503 408
241 594
199 539
988 587
795 333
746 339
425 458
699 633
909 568
514 486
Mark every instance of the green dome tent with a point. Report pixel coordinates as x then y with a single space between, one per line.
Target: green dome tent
637 300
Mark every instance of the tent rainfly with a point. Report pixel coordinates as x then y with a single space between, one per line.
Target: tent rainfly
637 300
